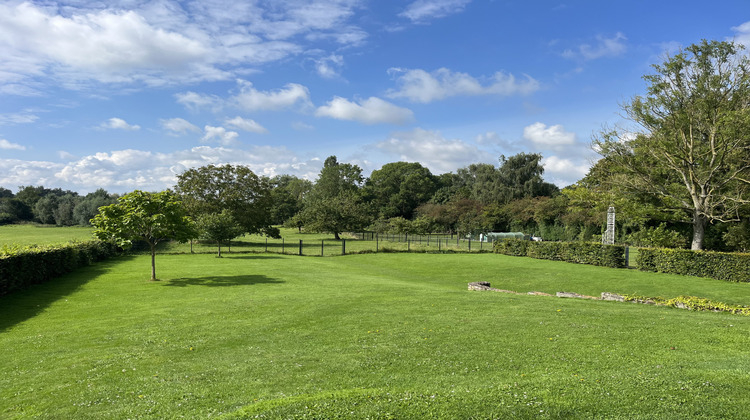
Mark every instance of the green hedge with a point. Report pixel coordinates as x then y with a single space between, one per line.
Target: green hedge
23 266
575 252
716 265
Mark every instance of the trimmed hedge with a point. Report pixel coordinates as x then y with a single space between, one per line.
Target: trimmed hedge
23 266
717 265
575 252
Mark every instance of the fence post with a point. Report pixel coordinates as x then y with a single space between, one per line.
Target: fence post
438 244
300 247
408 245
376 243
469 244
343 247
627 257
282 245
321 247
266 244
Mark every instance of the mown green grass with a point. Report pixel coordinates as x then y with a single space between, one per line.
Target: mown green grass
376 335
33 234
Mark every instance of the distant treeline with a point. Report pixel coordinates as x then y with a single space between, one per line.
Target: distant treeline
400 197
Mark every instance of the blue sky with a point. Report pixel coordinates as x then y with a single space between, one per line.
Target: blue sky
124 94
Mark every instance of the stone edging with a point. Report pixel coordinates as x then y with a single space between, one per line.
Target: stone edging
485 286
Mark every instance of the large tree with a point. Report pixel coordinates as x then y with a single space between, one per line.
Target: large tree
335 205
691 150
150 217
212 189
398 188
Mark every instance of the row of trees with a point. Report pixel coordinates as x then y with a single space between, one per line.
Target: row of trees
51 206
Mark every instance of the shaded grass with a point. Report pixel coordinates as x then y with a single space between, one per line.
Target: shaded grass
383 335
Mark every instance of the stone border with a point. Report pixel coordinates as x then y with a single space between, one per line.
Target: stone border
485 286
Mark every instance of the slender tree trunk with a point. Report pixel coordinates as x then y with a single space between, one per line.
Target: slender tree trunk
219 244
336 236
699 231
153 262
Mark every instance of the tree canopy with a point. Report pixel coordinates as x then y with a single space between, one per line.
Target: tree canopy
691 148
150 217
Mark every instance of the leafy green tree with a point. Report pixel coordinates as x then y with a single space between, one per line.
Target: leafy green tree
89 205
692 152
287 196
219 227
150 217
14 210
335 205
398 188
212 189
6 193
44 209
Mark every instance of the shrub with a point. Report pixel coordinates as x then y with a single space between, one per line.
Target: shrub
23 266
575 252
716 265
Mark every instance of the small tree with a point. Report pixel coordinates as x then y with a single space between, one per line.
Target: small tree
218 227
151 217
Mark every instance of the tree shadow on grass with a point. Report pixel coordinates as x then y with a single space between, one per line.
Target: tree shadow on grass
221 281
24 304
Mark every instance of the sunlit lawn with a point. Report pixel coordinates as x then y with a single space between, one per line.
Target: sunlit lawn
33 234
374 335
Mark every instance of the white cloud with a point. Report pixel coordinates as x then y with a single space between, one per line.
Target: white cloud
246 125
369 111
551 137
118 124
220 135
742 34
158 43
6 145
125 170
196 101
17 118
433 150
563 172
179 126
420 11
300 126
329 67
251 99
605 47
421 86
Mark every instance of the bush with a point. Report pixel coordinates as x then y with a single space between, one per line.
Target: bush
23 266
575 252
716 265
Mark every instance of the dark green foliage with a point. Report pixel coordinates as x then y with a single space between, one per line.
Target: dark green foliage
14 210
716 265
575 252
398 188
21 267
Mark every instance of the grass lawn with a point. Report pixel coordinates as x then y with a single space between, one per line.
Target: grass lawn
33 234
367 336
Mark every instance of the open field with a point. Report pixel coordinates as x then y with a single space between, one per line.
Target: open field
378 335
33 234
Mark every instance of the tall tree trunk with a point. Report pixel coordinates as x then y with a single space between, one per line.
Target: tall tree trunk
219 244
336 236
153 262
699 231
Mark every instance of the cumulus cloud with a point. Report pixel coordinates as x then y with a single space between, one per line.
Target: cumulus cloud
548 137
251 99
178 126
368 111
329 67
742 34
196 101
433 150
421 11
421 86
240 123
220 135
125 170
158 43
6 145
563 172
604 47
118 124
